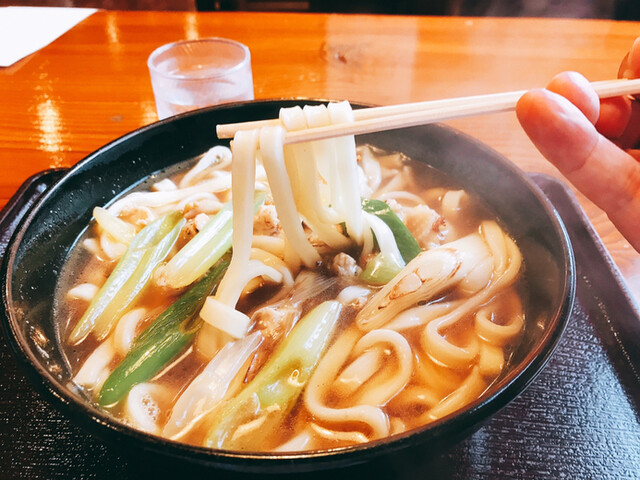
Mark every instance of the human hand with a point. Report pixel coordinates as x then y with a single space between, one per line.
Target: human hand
591 142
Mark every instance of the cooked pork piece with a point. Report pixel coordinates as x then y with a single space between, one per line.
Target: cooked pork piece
266 221
344 265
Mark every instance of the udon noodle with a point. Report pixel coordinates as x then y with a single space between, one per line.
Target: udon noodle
340 295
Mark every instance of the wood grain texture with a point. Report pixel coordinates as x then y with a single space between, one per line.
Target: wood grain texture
91 85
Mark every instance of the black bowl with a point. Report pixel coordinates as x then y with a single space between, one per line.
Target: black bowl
42 241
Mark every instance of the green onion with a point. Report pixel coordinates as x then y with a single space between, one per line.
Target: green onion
120 230
380 270
271 395
407 244
205 249
132 273
163 340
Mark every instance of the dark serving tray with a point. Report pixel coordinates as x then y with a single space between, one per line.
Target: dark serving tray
579 419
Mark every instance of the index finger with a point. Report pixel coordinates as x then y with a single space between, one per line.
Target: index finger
607 175
618 115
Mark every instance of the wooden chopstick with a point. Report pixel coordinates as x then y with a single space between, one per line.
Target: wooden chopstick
375 119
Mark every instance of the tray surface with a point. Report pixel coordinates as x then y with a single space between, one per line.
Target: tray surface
578 419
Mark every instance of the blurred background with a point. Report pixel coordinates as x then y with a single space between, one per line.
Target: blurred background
609 9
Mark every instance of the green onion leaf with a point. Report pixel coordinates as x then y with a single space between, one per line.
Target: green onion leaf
205 249
163 340
407 244
132 273
271 395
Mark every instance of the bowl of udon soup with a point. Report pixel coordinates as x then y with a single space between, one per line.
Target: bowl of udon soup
287 308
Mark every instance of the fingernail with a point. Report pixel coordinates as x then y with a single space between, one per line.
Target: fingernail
634 58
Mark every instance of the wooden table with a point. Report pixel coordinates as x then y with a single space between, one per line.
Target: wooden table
91 85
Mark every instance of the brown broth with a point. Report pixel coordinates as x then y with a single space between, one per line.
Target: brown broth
432 379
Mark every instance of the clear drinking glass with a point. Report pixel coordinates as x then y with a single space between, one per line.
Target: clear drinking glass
190 74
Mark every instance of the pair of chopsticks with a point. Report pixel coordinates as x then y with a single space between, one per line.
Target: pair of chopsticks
376 119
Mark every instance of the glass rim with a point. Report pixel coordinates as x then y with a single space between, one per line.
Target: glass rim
168 46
